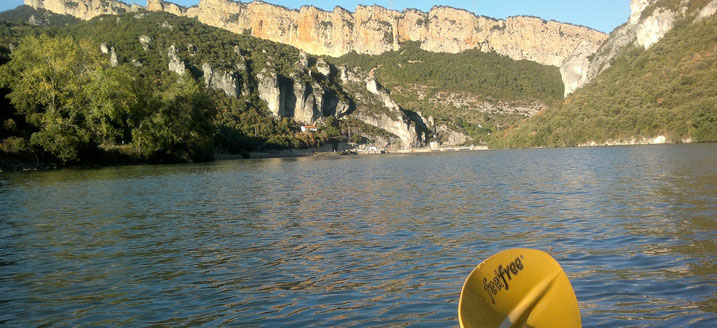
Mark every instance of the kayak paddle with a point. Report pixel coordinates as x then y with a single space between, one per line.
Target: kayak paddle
518 288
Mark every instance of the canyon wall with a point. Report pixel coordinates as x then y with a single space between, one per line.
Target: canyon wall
374 29
84 9
369 30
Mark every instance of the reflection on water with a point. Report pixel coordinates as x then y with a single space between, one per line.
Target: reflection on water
361 241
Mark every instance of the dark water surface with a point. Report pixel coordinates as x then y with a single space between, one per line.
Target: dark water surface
358 241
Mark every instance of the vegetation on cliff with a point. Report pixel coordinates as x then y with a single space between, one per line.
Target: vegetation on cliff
67 104
420 80
65 101
667 90
139 111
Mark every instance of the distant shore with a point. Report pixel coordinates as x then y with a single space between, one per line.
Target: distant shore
14 164
319 152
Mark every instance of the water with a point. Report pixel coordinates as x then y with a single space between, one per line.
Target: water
358 241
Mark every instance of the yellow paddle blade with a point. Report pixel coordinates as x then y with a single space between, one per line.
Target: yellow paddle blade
518 288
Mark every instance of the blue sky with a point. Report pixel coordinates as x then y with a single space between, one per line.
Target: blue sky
602 15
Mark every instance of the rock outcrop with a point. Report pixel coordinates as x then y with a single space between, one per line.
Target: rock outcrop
392 119
269 90
642 30
175 64
451 137
709 10
575 70
308 102
653 28
145 41
227 82
113 57
322 67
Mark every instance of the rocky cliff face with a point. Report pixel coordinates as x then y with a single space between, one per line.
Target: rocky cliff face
306 99
84 9
391 117
642 30
228 82
374 29
369 30
270 91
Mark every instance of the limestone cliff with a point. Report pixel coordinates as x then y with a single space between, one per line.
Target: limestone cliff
369 30
649 21
306 101
270 91
390 116
374 29
227 82
84 9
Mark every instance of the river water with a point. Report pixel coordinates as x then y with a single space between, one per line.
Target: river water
358 241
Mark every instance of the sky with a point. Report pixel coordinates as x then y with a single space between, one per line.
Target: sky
602 15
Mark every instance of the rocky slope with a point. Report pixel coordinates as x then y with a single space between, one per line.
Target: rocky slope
256 76
370 29
301 97
649 21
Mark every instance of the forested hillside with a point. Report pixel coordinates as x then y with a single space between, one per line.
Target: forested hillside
668 90
154 87
130 102
474 91
69 104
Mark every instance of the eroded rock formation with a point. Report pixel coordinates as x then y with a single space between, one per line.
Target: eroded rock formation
269 90
175 64
369 29
221 80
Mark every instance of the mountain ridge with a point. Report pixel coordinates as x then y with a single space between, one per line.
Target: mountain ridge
369 29
654 88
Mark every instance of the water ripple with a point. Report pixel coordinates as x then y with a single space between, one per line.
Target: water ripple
369 241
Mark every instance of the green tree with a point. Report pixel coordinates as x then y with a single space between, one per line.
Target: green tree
180 126
48 78
113 102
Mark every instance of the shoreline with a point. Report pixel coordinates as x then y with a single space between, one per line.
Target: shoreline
314 152
18 166
659 140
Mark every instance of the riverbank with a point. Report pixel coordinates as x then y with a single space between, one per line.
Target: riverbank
328 151
659 140
9 163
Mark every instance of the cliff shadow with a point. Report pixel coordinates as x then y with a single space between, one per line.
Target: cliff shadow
421 127
287 96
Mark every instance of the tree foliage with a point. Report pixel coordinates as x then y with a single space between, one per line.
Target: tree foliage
77 103
48 77
177 125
